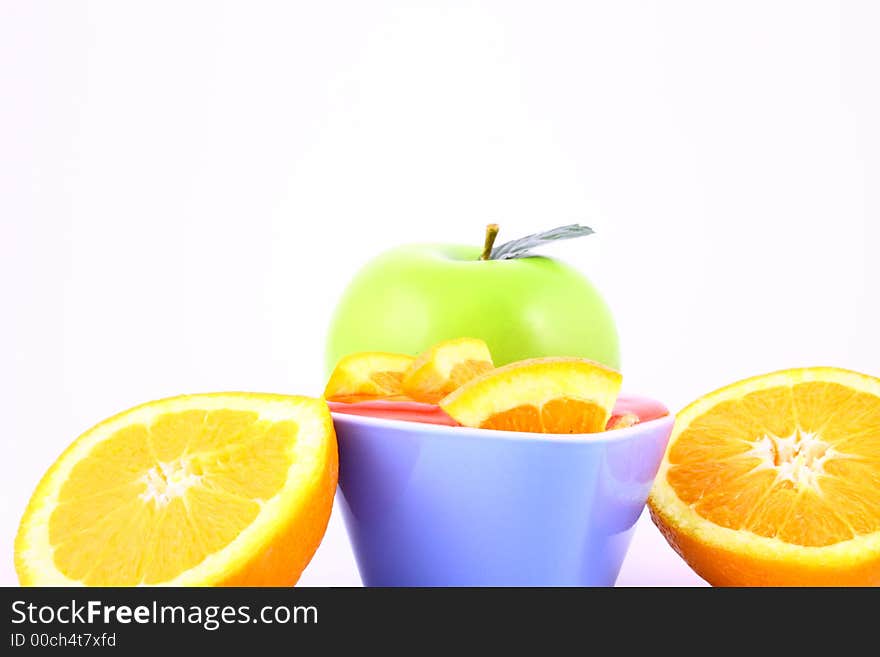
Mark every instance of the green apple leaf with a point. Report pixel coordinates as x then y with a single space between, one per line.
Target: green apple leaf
520 248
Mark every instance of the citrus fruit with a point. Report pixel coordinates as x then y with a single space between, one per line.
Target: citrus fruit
444 367
214 489
367 374
775 480
540 395
624 421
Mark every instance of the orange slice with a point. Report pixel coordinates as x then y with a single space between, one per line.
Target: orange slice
776 481
624 421
540 395
444 367
367 374
217 489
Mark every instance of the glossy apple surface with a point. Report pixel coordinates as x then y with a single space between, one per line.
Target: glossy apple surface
411 297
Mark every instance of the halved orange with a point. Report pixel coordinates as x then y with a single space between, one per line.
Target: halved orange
539 395
444 367
367 374
215 489
775 480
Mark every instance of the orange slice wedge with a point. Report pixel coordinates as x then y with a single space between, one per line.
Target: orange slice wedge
367 375
445 367
217 489
776 481
540 395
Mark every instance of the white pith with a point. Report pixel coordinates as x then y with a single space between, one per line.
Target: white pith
166 481
799 458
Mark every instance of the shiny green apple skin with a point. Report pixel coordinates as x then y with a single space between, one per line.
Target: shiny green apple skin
411 297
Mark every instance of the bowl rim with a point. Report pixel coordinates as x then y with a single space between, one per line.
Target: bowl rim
603 437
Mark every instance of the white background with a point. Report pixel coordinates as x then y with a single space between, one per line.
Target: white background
186 187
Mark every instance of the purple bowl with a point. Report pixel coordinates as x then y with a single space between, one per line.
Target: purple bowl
432 505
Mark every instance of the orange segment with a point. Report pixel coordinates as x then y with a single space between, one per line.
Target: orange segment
541 395
519 418
367 374
445 367
218 489
776 480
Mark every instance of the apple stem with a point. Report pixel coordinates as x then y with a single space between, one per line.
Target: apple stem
491 234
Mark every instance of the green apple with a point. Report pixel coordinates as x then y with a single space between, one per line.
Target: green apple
411 297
